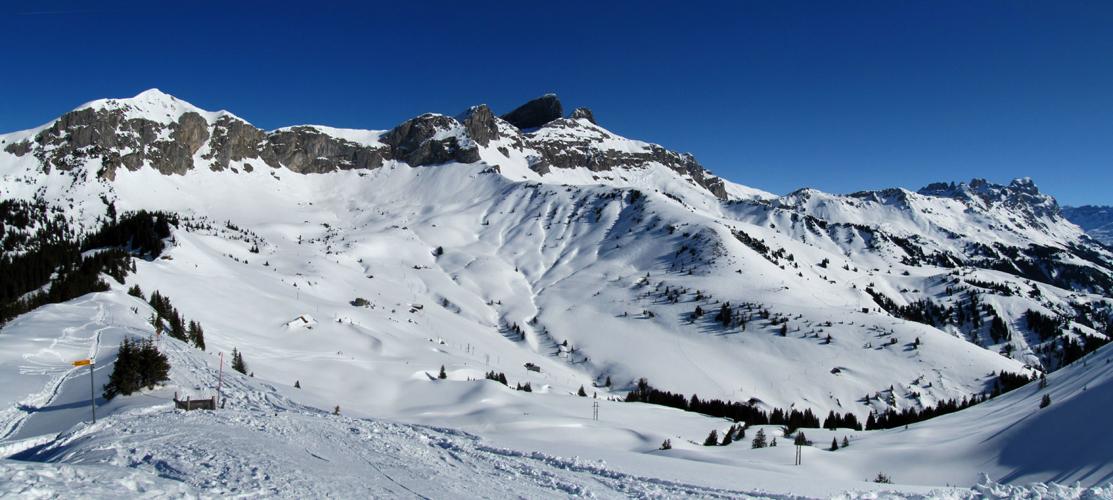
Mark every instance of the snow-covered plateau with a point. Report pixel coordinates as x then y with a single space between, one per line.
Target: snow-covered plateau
351 269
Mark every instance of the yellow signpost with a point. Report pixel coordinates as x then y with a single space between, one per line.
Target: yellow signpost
92 385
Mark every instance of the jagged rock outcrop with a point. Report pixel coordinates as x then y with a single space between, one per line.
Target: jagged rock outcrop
480 124
1021 196
88 133
414 142
236 140
535 113
132 133
308 150
584 113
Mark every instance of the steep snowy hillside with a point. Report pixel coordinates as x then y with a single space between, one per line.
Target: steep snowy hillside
356 264
1096 221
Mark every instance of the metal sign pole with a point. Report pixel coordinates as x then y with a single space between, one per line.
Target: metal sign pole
92 392
92 385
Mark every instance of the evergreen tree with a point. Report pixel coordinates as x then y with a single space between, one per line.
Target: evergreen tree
759 440
608 383
581 393
138 364
845 442
237 362
800 440
712 438
724 315
727 439
442 375
1046 401
196 335
667 445
297 384
834 444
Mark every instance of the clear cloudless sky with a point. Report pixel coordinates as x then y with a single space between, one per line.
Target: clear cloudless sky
777 95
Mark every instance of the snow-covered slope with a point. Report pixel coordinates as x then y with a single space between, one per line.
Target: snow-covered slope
484 243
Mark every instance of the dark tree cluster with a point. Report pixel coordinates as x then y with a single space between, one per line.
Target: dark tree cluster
846 421
141 232
74 279
1073 350
138 365
891 418
194 334
1045 326
48 247
497 377
239 365
739 412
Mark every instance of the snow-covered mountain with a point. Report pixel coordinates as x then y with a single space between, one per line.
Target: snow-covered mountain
357 263
1096 221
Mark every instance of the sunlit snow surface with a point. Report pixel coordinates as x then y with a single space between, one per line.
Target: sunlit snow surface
565 257
263 444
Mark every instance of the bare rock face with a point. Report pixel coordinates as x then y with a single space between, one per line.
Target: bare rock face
307 150
237 140
479 122
535 113
584 113
414 142
87 133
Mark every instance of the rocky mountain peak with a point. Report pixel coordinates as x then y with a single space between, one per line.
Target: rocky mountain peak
584 113
173 136
535 113
1021 196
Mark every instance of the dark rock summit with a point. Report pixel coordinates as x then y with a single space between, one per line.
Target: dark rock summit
535 113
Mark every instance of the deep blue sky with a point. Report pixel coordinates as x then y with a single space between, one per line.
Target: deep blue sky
838 96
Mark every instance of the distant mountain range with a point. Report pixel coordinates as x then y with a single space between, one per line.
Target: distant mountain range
1096 221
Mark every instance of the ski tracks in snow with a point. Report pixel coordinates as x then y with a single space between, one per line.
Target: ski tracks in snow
311 454
53 362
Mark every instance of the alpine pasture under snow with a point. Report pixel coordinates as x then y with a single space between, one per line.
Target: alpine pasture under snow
348 267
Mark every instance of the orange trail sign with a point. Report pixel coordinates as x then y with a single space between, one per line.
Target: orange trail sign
82 362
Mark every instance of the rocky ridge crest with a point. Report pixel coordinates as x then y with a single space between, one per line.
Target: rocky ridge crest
126 133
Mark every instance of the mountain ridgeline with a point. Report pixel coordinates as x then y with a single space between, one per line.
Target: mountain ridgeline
565 242
121 138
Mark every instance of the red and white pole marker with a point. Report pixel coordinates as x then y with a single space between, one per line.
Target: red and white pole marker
220 377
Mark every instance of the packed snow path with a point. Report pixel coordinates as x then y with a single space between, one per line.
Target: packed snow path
162 453
302 454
